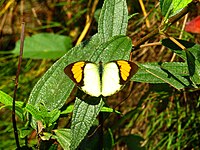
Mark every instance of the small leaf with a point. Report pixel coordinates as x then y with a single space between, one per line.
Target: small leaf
108 109
113 19
63 136
54 115
33 111
165 6
44 46
45 136
24 131
5 98
170 8
178 5
68 110
8 102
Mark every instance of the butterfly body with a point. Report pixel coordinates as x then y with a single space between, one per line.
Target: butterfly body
103 79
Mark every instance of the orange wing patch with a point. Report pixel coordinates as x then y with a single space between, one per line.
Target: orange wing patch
78 71
125 69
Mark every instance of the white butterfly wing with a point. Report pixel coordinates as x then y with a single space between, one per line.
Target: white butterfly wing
110 79
92 84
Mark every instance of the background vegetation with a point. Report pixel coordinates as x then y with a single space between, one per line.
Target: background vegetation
151 113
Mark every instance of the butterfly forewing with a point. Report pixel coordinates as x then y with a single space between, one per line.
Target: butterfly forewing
75 72
127 70
86 76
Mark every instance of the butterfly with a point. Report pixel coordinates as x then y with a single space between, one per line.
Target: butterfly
103 79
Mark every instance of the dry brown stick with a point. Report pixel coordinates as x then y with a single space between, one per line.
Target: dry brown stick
16 85
156 31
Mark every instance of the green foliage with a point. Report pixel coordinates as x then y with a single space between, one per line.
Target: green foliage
170 8
166 123
42 46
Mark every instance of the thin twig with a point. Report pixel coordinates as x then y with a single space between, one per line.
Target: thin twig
16 85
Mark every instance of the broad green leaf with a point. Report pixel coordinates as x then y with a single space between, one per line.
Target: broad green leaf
179 68
172 7
44 46
155 70
63 136
113 19
83 118
175 68
143 76
54 87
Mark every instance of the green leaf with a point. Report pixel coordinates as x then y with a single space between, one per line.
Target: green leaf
63 136
191 55
5 98
165 6
108 109
44 46
54 115
179 68
170 8
155 70
68 110
8 102
83 118
24 131
178 5
113 19
54 87
33 111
